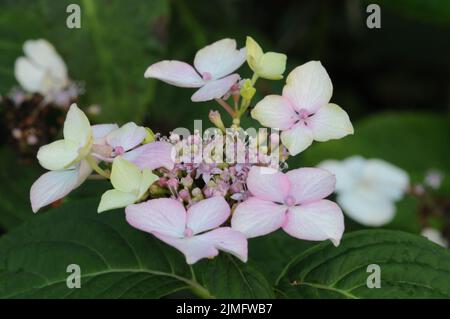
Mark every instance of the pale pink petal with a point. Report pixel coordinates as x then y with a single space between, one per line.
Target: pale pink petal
100 131
152 155
330 122
128 136
275 111
256 217
165 216
219 59
309 184
207 214
227 240
193 248
215 89
297 139
55 185
176 73
308 87
319 220
268 184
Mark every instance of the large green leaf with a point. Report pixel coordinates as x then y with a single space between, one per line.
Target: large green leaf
116 261
15 182
411 267
110 51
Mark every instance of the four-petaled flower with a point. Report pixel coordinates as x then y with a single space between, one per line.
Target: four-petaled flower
303 113
269 65
195 232
367 189
214 62
65 159
293 201
42 70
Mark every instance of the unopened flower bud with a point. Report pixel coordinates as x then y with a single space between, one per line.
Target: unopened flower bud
214 117
247 90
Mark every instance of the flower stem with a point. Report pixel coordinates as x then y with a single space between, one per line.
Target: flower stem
93 163
227 107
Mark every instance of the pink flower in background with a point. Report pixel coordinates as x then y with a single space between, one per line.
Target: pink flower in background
195 232
303 112
213 66
293 201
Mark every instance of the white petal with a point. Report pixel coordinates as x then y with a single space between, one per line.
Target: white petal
207 214
58 155
319 220
43 54
220 58
29 76
435 236
347 172
268 184
215 89
55 185
256 217
113 198
164 216
100 131
275 111
367 207
77 128
176 73
297 139
330 122
308 87
386 178
128 136
310 184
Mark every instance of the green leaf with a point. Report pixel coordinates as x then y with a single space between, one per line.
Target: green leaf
109 53
116 261
16 179
437 11
411 267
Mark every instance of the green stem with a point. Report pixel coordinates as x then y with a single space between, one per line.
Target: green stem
93 164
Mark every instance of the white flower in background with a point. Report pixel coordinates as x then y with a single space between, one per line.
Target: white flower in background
303 112
367 189
435 236
41 70
212 74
